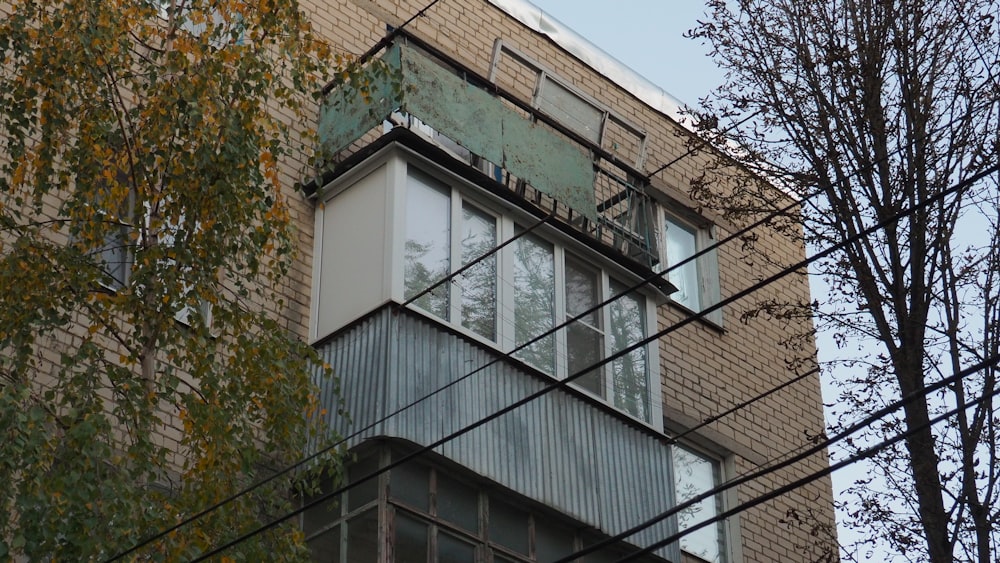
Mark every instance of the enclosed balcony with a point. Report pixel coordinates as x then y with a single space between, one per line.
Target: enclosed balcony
549 155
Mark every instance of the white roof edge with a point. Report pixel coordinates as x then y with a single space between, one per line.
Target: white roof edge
616 71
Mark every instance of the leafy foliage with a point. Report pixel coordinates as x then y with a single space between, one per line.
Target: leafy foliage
876 107
145 242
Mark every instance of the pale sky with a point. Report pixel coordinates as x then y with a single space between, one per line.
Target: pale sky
647 36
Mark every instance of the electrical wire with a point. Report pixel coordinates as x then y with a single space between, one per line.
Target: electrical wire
868 452
734 236
562 383
704 251
508 356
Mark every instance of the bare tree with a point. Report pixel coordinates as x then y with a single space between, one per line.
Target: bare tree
877 106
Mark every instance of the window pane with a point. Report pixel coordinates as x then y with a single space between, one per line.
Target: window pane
364 491
411 540
479 283
583 347
584 341
581 292
457 503
427 250
628 373
552 542
682 243
693 475
362 537
453 550
508 526
410 483
326 546
534 301
323 514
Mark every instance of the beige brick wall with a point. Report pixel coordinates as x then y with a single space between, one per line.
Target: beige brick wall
704 370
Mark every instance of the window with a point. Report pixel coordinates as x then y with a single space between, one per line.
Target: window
115 255
434 515
169 235
112 215
512 297
534 301
695 474
697 281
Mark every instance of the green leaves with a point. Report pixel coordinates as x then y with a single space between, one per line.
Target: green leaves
145 236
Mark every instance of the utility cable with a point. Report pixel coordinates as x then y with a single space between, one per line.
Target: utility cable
868 452
509 355
816 448
737 234
628 349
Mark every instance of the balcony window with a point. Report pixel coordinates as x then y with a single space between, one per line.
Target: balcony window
511 298
534 301
478 286
463 522
427 249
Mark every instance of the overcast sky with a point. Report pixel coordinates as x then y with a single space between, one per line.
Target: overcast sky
647 36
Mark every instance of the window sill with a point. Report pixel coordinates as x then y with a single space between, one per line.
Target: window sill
705 320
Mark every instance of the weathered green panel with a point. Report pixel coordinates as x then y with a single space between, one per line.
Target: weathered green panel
452 106
345 117
550 164
482 124
470 116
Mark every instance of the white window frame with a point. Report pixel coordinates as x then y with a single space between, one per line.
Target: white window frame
706 266
509 220
725 529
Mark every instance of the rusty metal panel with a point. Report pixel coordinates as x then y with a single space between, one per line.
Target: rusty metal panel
452 106
558 450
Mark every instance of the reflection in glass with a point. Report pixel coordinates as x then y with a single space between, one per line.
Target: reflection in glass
628 373
454 550
584 340
534 301
411 540
682 243
362 537
427 250
693 475
457 503
479 283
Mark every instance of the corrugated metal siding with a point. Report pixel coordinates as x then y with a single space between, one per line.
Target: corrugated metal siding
557 450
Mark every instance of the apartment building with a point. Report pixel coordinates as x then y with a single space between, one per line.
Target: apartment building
491 223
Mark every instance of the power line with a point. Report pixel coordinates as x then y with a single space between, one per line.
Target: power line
509 355
868 452
816 448
789 208
562 383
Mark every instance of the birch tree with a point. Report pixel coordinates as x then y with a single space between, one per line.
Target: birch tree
145 242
